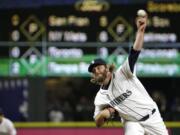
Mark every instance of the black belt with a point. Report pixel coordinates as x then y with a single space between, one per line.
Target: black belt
147 116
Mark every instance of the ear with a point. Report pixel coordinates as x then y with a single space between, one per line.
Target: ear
93 80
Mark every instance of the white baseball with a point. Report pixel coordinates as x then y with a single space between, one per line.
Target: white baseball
141 13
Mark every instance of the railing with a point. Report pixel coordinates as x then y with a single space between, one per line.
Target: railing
89 44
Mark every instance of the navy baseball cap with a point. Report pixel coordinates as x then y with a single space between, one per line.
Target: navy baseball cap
95 63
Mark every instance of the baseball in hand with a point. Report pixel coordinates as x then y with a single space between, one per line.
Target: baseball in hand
141 13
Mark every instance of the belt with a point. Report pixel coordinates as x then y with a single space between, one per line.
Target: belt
148 115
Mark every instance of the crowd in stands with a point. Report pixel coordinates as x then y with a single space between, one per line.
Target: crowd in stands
73 103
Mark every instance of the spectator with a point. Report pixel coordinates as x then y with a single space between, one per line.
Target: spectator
84 109
176 109
6 125
56 116
161 101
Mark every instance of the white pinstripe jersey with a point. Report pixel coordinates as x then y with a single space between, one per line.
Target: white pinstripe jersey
7 127
126 94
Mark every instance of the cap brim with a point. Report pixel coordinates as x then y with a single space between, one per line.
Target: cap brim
90 68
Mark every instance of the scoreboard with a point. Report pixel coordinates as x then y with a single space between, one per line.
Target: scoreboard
62 40
90 21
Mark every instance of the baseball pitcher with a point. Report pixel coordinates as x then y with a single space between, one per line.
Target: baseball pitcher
122 92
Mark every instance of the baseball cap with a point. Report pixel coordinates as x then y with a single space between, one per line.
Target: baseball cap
96 62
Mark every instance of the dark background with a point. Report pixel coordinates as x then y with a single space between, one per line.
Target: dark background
33 98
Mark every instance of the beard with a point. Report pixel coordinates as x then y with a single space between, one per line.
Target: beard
99 79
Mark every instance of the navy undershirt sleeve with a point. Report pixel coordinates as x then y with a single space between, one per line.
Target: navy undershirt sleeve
133 56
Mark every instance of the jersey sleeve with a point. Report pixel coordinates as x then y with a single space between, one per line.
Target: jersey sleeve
99 108
133 56
11 128
127 68
100 103
96 111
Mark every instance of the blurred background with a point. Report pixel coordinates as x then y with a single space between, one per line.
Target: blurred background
45 48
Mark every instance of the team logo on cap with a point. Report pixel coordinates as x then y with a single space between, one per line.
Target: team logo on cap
93 62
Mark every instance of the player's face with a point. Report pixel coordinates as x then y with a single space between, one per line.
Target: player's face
99 74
